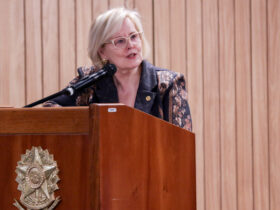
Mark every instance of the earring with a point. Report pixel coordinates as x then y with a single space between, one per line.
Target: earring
104 61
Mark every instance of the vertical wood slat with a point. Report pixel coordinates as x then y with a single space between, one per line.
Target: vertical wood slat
116 3
227 104
178 37
59 63
83 21
12 53
211 106
259 102
67 39
195 90
50 47
98 7
162 33
274 100
243 105
130 4
145 8
33 50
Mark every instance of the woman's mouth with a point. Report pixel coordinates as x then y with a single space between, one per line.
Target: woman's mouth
132 55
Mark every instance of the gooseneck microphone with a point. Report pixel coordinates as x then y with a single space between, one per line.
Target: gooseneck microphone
107 70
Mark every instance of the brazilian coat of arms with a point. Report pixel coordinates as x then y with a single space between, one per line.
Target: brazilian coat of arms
37 178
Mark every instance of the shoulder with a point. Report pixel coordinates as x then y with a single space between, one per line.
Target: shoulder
166 78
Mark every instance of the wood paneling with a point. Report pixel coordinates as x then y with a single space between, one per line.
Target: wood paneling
67 41
116 3
50 47
162 32
195 89
34 89
178 39
243 105
83 22
212 151
259 105
12 58
274 100
145 8
227 104
227 49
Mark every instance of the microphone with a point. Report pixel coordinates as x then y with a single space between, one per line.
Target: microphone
107 70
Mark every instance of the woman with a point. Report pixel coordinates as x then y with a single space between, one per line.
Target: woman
117 37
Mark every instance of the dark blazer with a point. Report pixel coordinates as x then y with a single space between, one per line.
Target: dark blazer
161 93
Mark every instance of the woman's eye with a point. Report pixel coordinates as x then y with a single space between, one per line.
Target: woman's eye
119 41
133 36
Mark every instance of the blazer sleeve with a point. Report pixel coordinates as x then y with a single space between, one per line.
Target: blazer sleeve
179 110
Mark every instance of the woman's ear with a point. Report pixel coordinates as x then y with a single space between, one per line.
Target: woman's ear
101 53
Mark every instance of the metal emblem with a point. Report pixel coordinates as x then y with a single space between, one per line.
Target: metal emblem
37 178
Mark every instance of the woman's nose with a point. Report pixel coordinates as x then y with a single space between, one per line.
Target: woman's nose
129 43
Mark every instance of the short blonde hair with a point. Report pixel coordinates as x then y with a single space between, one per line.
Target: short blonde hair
109 23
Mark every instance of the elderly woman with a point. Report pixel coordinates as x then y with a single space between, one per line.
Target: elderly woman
117 37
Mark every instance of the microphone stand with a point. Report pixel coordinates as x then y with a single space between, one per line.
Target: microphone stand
108 69
65 91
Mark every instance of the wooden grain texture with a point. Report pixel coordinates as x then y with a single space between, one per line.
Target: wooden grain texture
116 3
162 33
12 58
83 21
50 47
195 90
151 166
68 150
243 105
33 49
274 101
211 81
130 4
260 105
227 105
145 8
23 46
44 120
98 7
178 40
67 42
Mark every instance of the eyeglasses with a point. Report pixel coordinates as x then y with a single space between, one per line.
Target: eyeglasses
121 42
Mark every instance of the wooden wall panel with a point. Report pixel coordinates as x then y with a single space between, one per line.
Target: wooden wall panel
229 51
162 56
67 41
50 47
12 58
116 3
178 39
83 22
212 151
243 105
145 8
33 49
227 104
130 4
98 7
274 100
260 106
195 89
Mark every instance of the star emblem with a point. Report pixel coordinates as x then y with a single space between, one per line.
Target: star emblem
34 177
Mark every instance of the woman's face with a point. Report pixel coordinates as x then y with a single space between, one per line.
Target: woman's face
128 57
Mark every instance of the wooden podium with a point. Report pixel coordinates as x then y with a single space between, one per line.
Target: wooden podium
110 157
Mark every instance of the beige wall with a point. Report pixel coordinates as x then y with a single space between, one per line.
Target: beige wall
229 51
